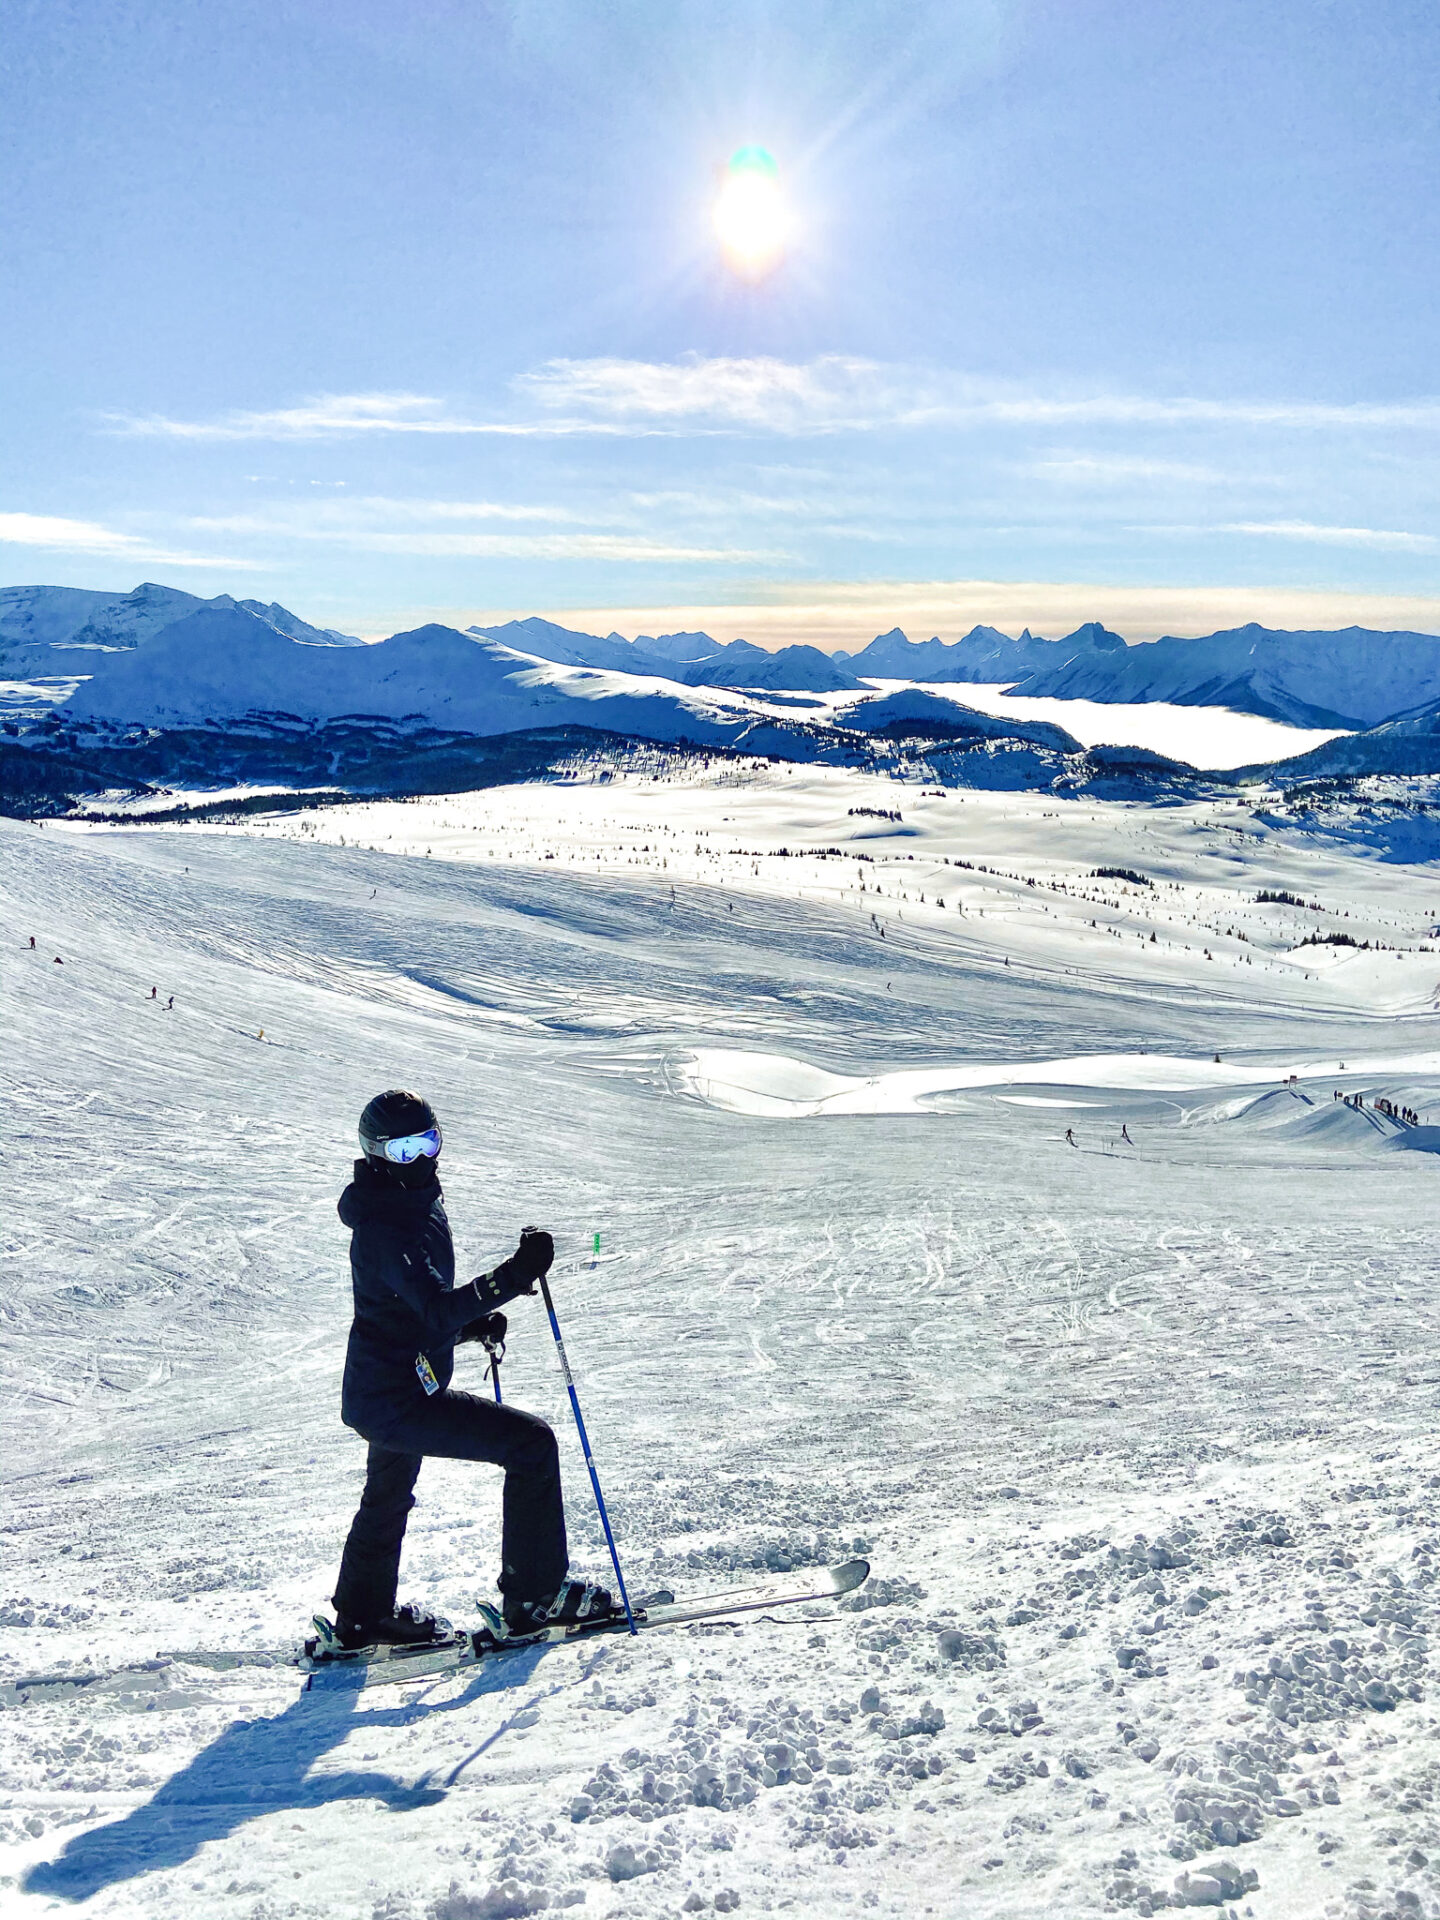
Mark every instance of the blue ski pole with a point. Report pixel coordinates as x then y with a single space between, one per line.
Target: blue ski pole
585 1448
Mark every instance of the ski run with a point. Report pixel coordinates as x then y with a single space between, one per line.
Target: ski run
1137 1429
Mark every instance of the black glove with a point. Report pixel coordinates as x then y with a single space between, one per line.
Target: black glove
536 1251
519 1273
490 1328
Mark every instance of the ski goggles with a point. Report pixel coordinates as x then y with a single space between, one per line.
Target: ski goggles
412 1146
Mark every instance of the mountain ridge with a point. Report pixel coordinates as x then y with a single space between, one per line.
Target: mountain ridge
42 628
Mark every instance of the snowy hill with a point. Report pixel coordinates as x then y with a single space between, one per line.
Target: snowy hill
42 628
911 710
1354 677
1136 1427
1407 745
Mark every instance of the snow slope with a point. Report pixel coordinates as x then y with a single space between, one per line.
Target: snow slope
1139 1434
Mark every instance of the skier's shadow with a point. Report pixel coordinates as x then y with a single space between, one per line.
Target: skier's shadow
259 1767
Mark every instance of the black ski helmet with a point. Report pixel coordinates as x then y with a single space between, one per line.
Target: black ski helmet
394 1115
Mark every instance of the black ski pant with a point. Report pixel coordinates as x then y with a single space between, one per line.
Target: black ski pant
457 1426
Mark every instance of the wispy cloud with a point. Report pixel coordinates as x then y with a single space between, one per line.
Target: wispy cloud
340 416
554 546
55 534
838 392
1335 536
833 393
353 516
427 527
1120 470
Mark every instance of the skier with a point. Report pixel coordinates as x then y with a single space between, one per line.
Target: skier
1125 1133
1070 1137
409 1316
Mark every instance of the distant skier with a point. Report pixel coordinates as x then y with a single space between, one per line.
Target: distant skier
1125 1133
154 993
32 943
1070 1137
409 1316
170 1003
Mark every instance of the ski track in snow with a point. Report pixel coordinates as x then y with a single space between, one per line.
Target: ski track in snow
1139 1437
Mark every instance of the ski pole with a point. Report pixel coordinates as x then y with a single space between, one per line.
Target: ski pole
585 1449
495 1371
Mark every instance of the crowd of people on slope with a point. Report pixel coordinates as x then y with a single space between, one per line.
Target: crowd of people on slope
1407 1116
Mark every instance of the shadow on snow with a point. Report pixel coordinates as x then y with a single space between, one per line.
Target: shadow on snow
259 1767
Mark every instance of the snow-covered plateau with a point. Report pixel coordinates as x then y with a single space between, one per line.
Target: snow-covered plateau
993 1185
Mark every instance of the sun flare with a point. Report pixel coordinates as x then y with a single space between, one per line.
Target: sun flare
750 216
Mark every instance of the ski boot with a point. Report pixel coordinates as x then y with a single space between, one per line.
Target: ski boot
405 1627
579 1605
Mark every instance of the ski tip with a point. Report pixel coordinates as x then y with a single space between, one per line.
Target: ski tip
850 1574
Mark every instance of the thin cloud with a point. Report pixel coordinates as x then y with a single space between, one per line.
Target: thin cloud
553 546
56 534
761 394
356 517
1118 469
342 416
365 536
370 526
838 392
1335 536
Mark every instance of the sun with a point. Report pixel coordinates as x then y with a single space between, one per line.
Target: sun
750 216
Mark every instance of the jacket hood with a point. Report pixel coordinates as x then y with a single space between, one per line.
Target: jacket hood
373 1195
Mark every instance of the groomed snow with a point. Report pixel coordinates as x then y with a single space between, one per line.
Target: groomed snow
1138 1433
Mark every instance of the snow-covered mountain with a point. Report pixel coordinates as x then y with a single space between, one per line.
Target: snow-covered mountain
694 659
284 621
985 655
36 617
569 648
1354 677
223 664
41 628
790 669
684 647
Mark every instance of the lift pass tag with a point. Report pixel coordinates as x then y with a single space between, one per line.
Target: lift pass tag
426 1374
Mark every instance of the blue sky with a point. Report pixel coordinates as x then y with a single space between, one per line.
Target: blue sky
402 311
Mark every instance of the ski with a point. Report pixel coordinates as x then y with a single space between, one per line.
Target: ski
460 1648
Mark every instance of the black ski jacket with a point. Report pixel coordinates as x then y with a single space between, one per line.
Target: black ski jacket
407 1306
